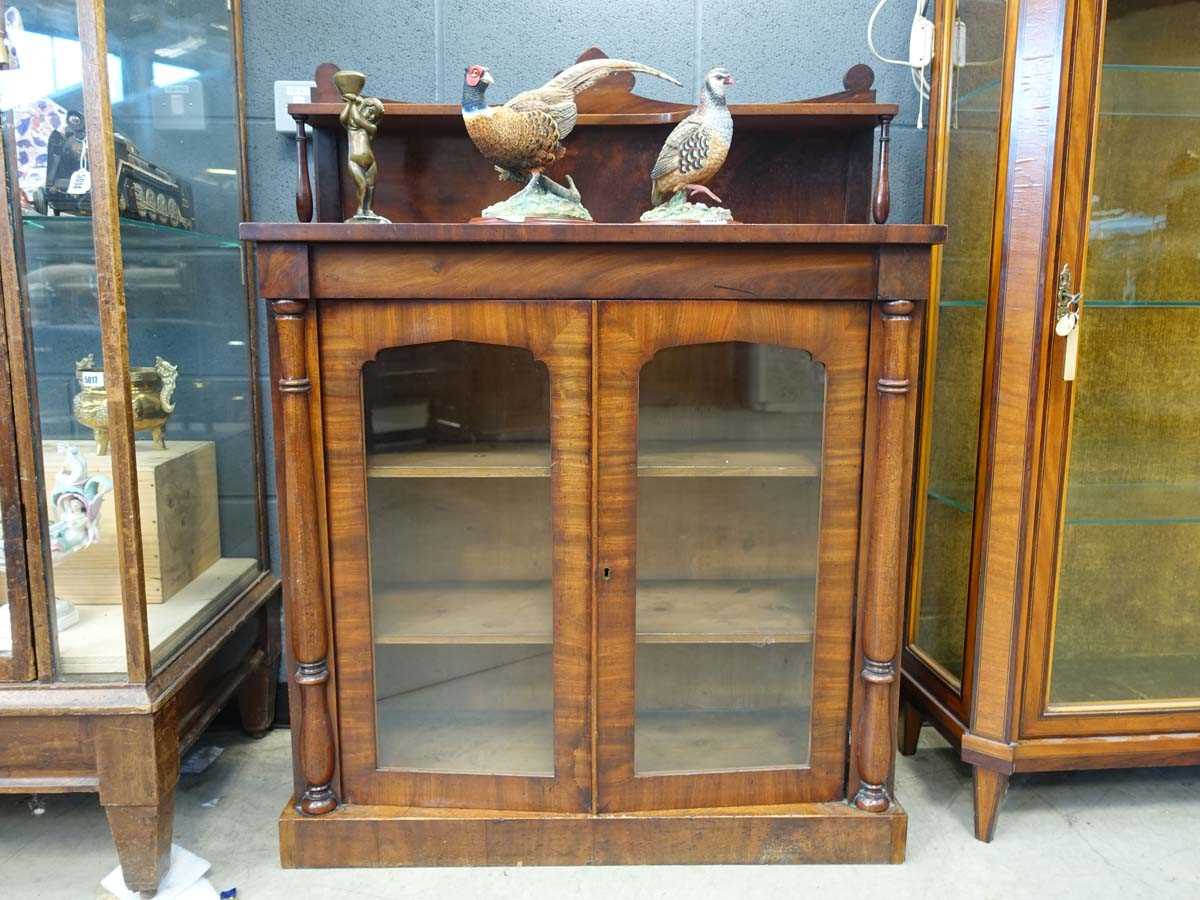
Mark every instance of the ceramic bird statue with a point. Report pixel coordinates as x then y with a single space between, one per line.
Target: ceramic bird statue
76 500
524 136
694 152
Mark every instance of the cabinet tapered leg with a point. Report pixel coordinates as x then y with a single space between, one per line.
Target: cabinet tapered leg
143 838
137 759
910 728
990 787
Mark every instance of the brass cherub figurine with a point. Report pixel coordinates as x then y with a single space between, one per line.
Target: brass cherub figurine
360 117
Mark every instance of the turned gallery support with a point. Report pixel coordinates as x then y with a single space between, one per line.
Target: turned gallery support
881 620
881 206
306 603
304 196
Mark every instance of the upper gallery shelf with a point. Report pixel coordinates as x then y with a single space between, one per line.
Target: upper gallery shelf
799 113
810 161
663 459
611 101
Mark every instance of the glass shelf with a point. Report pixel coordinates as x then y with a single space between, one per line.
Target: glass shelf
1125 678
1106 504
72 236
669 612
1090 304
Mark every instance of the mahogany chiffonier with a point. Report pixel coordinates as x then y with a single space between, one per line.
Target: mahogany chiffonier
595 533
1053 620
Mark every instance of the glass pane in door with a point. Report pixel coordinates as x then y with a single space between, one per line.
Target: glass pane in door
189 336
6 624
940 604
458 492
729 490
1128 616
52 233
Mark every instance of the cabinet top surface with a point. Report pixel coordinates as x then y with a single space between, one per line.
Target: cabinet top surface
593 232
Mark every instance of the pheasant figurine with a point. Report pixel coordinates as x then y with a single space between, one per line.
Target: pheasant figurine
524 136
694 152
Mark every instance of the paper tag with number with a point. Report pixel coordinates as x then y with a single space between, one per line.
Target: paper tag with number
80 183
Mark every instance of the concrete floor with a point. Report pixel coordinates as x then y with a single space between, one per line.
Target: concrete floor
1126 834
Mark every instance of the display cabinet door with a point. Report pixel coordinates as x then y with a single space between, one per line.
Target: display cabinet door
16 630
962 187
1116 613
729 459
457 440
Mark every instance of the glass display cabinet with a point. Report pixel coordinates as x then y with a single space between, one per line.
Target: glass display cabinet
594 532
1053 621
138 594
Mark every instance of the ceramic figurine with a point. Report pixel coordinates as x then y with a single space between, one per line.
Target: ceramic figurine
151 390
524 136
75 502
360 117
693 154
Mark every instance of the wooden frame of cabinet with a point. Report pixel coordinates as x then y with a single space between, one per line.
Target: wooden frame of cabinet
593 302
998 714
120 735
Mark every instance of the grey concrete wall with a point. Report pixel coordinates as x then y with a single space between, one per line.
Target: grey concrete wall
416 50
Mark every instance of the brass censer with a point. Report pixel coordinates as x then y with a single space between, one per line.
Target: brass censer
151 389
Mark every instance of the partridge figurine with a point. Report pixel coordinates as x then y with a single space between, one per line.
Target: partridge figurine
694 152
524 136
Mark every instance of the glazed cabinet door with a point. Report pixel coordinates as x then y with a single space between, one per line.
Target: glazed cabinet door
729 469
16 627
459 433
1116 605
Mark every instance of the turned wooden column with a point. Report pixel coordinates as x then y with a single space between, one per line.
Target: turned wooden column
875 741
306 602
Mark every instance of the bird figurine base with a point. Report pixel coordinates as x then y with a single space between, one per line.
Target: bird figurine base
679 210
542 200
369 218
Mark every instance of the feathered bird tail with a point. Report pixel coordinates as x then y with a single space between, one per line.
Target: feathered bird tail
582 76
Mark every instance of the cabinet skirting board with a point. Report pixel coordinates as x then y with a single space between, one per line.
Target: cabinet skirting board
818 833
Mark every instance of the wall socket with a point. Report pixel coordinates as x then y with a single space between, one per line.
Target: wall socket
289 92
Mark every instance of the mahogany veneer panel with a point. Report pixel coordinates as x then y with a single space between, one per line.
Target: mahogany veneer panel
398 836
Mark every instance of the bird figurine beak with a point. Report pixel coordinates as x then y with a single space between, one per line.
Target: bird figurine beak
487 77
729 79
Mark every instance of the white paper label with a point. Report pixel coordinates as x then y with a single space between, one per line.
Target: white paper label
80 183
91 379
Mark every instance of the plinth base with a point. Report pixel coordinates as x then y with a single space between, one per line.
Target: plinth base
352 836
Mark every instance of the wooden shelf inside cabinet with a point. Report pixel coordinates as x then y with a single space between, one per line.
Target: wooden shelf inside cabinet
683 741
656 459
417 740
668 612
96 645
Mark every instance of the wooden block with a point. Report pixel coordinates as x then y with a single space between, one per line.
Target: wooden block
181 536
